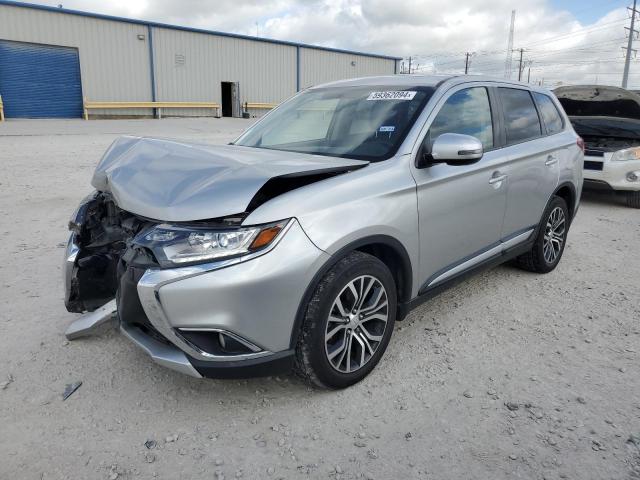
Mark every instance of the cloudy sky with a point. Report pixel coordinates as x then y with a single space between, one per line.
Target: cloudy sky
570 41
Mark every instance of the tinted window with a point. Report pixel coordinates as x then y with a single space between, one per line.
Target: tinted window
520 115
467 112
549 112
355 122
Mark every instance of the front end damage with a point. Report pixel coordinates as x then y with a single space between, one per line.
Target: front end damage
160 244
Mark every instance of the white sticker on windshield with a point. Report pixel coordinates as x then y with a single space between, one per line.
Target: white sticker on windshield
392 95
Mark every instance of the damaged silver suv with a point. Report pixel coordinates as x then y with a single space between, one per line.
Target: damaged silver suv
299 245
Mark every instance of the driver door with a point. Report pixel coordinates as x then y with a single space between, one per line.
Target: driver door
460 208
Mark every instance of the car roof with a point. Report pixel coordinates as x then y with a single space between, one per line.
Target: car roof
435 81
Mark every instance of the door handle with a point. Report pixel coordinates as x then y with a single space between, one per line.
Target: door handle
497 179
551 160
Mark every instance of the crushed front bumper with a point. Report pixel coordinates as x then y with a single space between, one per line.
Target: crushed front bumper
251 302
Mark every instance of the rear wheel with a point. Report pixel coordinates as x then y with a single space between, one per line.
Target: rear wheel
348 322
548 248
633 199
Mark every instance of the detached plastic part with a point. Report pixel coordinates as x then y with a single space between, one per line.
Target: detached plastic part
89 322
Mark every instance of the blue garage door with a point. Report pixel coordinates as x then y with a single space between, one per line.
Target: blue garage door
40 81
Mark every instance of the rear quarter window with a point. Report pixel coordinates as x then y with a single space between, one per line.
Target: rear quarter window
520 115
549 112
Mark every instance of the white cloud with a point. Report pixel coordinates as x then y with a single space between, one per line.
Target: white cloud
434 32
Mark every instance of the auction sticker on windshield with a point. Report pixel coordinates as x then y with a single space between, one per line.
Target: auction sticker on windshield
392 95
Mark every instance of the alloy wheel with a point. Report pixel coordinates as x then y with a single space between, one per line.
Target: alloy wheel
554 234
356 324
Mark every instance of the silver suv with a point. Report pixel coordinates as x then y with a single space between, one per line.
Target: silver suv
299 245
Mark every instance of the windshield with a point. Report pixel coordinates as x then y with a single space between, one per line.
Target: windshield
367 123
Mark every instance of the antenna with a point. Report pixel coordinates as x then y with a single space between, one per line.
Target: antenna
509 59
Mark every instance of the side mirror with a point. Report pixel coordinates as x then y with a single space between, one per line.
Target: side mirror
454 149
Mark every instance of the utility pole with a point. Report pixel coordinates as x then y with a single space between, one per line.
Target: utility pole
632 32
409 65
520 64
509 60
467 61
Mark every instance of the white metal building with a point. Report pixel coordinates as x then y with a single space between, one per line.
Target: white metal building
52 58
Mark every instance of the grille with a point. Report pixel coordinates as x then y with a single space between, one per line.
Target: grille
591 165
130 309
593 153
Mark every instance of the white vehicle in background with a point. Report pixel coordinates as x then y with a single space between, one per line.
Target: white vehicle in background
608 120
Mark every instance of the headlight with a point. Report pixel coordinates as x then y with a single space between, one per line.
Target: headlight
173 244
632 153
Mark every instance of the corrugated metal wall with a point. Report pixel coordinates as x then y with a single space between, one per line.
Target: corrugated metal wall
40 81
191 66
321 66
114 64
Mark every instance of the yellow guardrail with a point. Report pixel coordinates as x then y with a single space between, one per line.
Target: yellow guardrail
1 110
265 106
93 105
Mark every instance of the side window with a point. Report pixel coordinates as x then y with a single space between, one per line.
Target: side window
549 112
466 112
520 115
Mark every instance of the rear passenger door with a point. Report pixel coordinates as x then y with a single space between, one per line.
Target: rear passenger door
532 171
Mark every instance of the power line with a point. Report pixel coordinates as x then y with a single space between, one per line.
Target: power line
602 26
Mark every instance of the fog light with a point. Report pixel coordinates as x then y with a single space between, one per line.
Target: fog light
633 176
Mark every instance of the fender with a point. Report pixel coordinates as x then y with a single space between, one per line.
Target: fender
407 276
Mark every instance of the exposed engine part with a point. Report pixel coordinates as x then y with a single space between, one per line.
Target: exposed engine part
103 233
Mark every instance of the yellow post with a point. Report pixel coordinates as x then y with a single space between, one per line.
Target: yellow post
85 113
1 110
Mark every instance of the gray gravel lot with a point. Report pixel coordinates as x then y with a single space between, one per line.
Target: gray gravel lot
509 375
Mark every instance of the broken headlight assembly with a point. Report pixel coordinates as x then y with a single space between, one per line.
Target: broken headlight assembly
177 245
632 153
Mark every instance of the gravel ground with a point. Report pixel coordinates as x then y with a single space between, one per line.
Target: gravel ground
509 375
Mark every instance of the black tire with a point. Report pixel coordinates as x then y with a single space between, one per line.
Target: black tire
633 199
311 359
534 260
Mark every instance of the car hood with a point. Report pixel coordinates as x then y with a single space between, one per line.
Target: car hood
173 181
599 101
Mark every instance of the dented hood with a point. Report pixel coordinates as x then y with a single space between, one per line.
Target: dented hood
174 181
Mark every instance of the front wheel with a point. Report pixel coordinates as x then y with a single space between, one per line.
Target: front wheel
548 248
348 322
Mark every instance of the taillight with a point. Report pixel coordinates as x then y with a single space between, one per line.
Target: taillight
580 143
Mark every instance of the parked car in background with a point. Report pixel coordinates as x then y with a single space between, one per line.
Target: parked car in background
608 119
301 243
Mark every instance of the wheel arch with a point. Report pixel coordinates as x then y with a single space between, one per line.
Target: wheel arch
387 249
567 191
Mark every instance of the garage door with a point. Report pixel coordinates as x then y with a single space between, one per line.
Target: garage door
40 81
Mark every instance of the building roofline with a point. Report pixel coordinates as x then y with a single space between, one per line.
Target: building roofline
114 18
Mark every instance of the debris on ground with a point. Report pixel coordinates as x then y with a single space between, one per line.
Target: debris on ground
9 381
150 444
513 406
70 388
